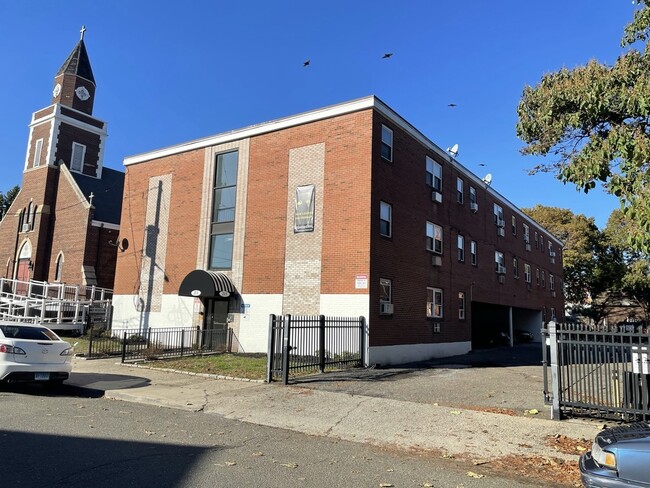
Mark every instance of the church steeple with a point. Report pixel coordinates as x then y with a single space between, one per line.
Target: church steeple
74 83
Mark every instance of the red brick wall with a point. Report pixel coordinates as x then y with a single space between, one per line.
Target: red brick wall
184 215
346 209
69 134
403 258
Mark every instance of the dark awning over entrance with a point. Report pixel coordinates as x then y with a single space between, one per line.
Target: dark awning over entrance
206 284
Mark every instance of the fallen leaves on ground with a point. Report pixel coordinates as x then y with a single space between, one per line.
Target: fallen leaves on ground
556 471
567 445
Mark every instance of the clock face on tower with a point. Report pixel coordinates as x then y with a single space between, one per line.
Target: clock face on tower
82 93
57 90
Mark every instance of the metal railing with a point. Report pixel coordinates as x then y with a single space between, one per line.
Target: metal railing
304 344
158 343
597 371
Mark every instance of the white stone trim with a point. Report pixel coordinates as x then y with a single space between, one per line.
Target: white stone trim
105 225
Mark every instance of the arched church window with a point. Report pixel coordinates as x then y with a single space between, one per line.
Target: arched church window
59 267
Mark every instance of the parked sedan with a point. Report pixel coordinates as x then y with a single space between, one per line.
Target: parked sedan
33 353
619 457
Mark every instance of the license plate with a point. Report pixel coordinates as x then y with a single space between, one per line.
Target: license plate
42 376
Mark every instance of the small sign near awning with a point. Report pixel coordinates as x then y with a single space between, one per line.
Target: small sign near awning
303 220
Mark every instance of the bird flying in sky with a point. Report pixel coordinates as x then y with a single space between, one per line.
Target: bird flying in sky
451 105
306 63
386 55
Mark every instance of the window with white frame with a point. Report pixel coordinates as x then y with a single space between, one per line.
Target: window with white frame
434 303
78 156
38 149
385 219
526 234
541 242
473 251
537 276
514 225
461 247
551 282
550 248
434 174
499 262
528 278
461 305
459 190
472 196
386 290
386 143
498 216
536 240
543 279
515 267
434 238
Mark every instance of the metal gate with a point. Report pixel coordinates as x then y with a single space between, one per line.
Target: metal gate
597 371
305 344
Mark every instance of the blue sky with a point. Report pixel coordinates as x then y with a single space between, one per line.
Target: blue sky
168 71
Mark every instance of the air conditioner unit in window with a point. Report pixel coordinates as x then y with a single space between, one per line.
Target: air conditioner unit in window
501 223
552 260
473 207
436 196
551 253
386 308
526 239
436 260
501 269
26 227
501 232
527 247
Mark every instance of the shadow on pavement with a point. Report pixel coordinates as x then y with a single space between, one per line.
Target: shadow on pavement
39 460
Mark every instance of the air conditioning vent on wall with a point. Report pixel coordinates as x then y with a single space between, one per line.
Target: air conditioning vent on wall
385 308
436 260
436 196
473 207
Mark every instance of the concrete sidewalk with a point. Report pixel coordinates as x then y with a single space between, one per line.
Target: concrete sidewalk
385 422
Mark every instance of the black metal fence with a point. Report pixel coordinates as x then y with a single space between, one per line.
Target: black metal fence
597 371
306 344
158 343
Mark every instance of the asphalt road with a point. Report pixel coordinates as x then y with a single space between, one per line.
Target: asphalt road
74 438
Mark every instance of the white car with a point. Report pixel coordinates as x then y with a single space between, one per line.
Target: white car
31 353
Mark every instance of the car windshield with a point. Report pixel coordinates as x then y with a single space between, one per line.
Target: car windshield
28 332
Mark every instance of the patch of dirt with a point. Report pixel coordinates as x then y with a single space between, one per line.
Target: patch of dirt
567 445
556 472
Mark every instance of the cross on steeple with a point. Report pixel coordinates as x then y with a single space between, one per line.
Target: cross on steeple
83 31
90 197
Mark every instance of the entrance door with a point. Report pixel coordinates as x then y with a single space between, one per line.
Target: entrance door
22 277
216 326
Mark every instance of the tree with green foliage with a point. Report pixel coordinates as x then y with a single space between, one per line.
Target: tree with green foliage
594 122
635 281
6 199
591 268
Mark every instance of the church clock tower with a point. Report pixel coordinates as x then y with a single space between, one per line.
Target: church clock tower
66 132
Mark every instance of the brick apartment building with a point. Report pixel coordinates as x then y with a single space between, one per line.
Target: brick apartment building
63 226
344 211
